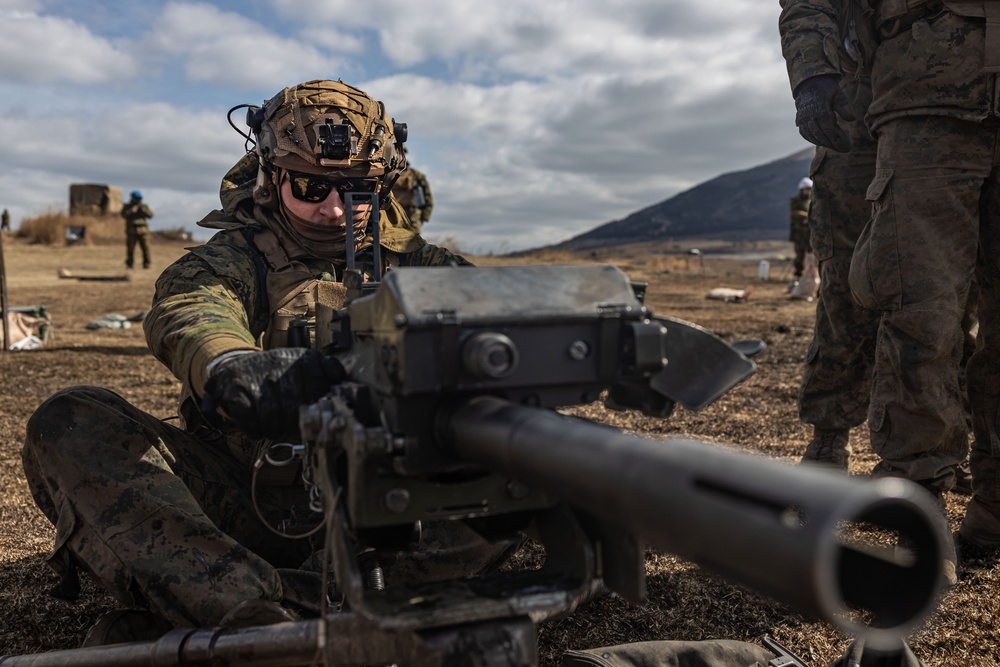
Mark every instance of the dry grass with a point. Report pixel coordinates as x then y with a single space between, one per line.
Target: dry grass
684 601
50 229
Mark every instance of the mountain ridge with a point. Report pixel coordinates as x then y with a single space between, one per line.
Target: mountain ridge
750 204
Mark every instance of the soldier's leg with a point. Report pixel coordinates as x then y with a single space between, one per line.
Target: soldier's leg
799 263
146 508
130 240
981 524
144 246
836 379
915 261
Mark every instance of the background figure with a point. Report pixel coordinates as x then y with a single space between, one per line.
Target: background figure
414 194
5 221
136 213
798 230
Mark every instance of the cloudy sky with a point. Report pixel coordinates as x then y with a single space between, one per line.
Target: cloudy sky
534 121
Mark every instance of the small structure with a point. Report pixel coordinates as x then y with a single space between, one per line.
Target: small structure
94 199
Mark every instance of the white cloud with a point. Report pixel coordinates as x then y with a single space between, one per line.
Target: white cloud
533 121
40 49
159 149
228 49
533 38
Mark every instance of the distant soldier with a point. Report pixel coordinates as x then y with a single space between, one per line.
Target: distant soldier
136 213
414 194
5 221
798 231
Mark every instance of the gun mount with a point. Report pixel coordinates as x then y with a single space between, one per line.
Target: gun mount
448 418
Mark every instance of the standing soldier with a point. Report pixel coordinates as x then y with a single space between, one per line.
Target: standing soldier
136 212
836 379
414 194
5 221
934 68
798 231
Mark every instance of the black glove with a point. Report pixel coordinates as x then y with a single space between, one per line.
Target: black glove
260 392
818 102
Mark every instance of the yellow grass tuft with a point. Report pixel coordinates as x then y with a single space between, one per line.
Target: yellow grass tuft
50 229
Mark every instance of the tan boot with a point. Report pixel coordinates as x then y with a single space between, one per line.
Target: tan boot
981 525
829 446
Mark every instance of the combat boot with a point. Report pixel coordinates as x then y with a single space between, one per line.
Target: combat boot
981 525
829 446
963 479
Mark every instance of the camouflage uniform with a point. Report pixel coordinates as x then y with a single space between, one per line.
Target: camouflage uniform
836 378
408 190
934 197
162 516
136 213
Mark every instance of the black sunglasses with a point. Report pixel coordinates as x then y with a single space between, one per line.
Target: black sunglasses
314 189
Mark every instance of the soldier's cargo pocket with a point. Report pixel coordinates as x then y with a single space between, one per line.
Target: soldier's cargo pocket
878 423
875 274
820 217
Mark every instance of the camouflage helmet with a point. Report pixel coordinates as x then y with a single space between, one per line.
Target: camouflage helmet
327 127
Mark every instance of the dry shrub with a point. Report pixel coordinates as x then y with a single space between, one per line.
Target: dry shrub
546 256
176 234
50 229
449 243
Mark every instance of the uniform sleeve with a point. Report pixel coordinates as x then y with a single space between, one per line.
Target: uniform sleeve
203 306
432 255
809 39
799 209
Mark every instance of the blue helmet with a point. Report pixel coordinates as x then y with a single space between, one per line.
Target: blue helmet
136 194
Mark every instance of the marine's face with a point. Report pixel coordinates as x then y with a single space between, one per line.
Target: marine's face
324 220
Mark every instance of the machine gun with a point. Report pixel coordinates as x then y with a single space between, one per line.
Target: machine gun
448 418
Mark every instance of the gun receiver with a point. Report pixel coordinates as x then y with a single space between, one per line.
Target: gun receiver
447 417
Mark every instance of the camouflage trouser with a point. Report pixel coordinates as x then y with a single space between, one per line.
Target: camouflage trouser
936 205
166 521
161 519
133 235
836 379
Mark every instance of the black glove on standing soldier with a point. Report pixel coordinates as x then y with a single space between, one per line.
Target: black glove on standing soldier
818 102
260 392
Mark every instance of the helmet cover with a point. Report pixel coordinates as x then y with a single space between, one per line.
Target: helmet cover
331 128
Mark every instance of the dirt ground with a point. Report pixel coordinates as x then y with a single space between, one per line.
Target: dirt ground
684 602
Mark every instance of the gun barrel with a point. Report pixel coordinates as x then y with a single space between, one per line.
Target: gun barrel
775 527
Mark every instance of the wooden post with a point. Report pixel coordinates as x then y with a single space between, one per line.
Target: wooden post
3 299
